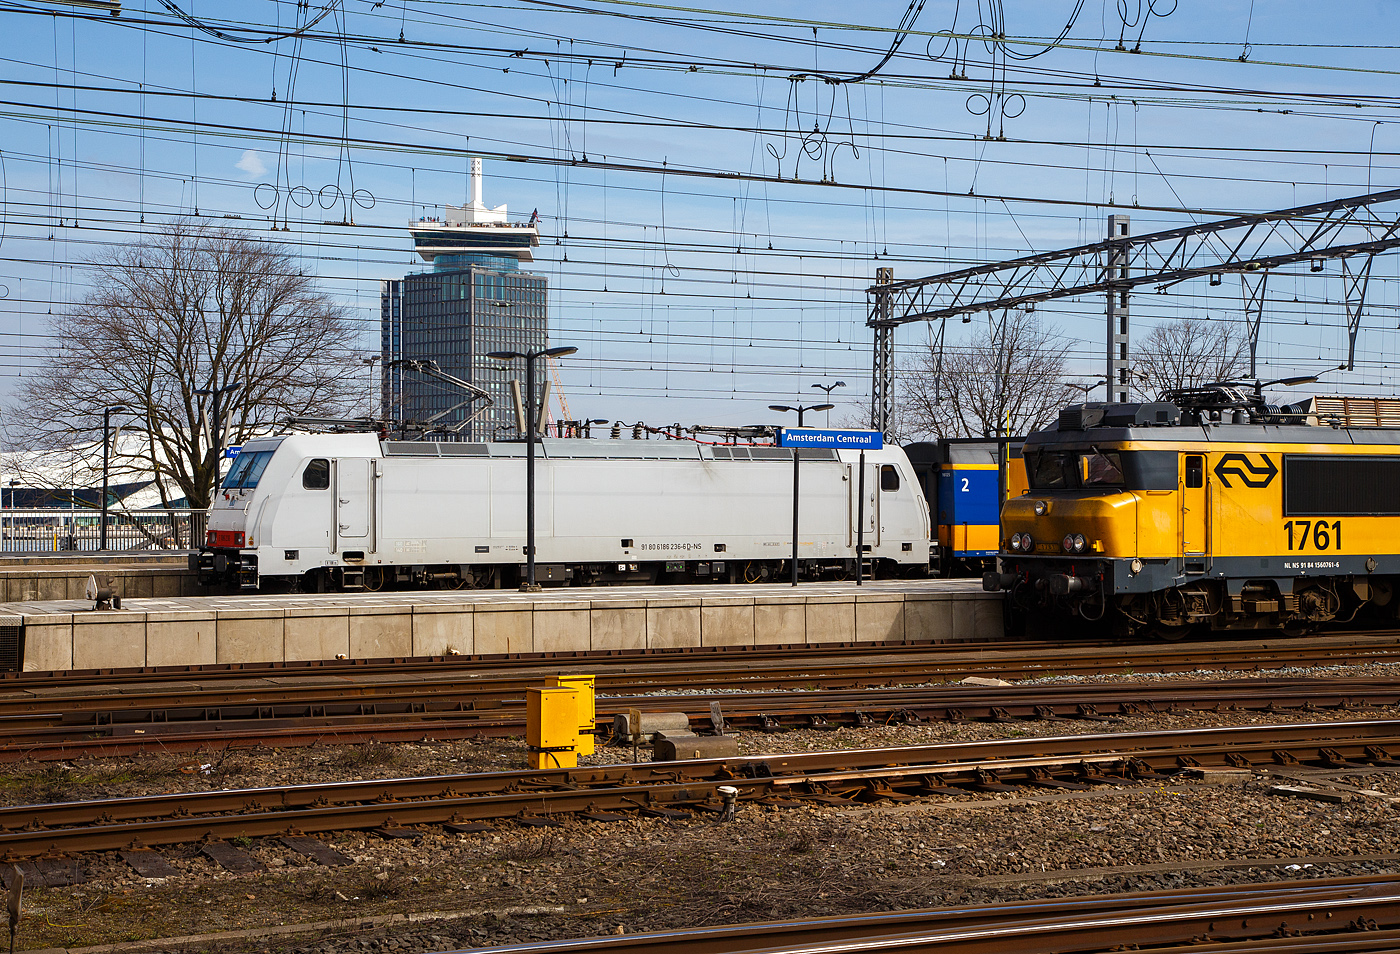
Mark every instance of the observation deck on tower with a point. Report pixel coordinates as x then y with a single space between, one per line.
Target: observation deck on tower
473 234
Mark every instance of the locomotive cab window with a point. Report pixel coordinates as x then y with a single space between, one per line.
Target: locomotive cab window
1195 470
317 475
1047 471
889 477
247 470
1100 470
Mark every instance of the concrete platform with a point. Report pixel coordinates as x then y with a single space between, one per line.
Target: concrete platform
66 634
64 576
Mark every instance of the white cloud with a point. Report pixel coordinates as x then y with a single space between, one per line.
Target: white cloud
252 164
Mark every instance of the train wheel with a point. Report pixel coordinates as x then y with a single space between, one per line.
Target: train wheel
753 573
374 578
1169 634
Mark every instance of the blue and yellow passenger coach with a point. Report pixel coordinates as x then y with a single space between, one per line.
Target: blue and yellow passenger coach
965 481
1207 510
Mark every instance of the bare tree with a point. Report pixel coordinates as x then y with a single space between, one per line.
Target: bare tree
1187 352
191 307
1008 379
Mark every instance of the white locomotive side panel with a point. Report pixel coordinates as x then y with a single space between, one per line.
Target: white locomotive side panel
429 506
679 510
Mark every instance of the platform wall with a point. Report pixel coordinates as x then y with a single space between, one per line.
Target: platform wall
144 635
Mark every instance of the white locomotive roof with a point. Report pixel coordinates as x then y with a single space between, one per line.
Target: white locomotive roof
604 448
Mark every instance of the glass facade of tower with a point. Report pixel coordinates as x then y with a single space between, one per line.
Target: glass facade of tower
466 307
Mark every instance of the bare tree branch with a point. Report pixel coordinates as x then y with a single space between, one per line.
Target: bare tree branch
193 306
1188 352
1007 380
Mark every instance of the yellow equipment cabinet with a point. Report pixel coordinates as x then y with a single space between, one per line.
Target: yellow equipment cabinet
551 727
587 714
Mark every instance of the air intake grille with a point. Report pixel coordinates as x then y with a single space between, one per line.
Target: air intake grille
1339 486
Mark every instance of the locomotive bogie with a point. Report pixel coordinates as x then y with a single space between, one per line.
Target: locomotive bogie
325 512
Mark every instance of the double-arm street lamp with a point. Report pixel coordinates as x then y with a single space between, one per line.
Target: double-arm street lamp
107 413
800 409
1086 388
828 388
531 424
216 436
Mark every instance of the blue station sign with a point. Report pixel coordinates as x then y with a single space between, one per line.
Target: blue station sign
824 437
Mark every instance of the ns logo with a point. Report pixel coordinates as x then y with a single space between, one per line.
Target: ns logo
1240 467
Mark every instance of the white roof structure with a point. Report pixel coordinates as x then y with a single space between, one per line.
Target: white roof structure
76 470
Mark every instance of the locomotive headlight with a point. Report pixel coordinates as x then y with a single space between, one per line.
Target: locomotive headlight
1014 542
1026 543
1078 543
1040 508
1067 544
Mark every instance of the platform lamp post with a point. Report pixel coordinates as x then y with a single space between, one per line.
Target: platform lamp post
370 361
800 409
531 425
828 388
1086 388
216 436
107 413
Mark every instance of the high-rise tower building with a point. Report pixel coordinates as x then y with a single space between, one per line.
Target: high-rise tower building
473 301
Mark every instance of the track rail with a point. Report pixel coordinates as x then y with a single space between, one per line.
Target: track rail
840 777
1353 915
470 709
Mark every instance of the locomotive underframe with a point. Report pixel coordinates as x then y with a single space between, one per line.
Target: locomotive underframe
1157 597
239 570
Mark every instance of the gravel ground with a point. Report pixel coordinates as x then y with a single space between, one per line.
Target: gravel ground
583 879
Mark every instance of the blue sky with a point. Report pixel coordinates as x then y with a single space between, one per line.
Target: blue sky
660 145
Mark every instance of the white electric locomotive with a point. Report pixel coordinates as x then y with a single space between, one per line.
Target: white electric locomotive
347 511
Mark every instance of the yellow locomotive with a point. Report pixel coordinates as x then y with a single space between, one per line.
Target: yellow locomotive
1207 509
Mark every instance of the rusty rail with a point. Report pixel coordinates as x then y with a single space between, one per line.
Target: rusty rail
328 711
840 777
1341 915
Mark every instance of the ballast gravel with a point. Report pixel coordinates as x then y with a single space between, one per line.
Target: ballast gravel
444 892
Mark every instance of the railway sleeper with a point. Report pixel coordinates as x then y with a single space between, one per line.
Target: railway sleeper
1095 775
1144 772
1377 755
933 785
988 780
878 789
1334 759
1042 778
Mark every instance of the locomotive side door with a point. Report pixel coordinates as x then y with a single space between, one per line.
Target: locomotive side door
352 499
1194 526
870 516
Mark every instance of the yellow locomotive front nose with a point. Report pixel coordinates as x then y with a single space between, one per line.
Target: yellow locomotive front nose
1103 525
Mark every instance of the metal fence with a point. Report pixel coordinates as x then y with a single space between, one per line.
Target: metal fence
68 531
